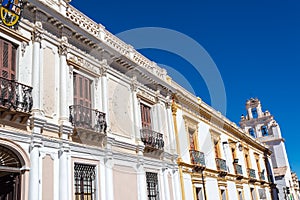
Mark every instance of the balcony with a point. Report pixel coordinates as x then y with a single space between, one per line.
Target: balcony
89 124
262 176
221 166
152 140
15 101
197 159
251 174
238 171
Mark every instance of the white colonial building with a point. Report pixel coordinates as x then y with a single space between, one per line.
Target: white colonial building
83 116
262 125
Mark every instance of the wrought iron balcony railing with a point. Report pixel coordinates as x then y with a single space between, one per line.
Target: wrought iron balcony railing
262 176
87 118
152 139
197 157
238 169
16 96
251 173
221 164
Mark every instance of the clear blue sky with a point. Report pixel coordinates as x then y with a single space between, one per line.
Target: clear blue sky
254 44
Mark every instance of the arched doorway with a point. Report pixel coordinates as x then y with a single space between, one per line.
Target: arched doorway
10 175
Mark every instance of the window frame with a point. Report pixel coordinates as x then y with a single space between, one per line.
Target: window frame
93 183
156 187
12 58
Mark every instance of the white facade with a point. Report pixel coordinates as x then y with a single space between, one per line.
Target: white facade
87 145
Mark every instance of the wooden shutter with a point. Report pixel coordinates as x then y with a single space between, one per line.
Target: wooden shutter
192 141
7 60
146 116
82 91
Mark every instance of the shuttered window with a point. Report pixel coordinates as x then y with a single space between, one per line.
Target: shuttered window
146 116
7 60
82 91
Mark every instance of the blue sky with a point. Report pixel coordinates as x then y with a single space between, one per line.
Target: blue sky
254 44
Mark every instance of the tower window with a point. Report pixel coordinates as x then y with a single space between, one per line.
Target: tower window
252 132
254 112
264 131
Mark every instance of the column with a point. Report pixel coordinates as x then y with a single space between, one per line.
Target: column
136 108
36 143
141 175
109 170
170 127
37 38
63 156
63 78
176 181
104 96
166 184
64 171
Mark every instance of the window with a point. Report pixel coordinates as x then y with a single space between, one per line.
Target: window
252 132
82 91
264 131
84 176
253 196
146 116
247 160
192 140
152 186
217 150
199 193
240 193
223 194
7 60
254 112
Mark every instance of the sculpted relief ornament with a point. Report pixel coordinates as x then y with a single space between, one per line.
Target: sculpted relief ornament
38 33
64 47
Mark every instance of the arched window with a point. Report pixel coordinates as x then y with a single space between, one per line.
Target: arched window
252 132
10 173
254 112
264 131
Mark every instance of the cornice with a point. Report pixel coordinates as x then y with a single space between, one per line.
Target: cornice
14 34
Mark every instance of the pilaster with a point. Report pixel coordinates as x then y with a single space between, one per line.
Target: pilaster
104 65
37 124
37 36
63 77
109 163
141 175
136 108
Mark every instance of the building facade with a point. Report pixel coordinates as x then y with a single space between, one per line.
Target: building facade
261 125
217 160
83 115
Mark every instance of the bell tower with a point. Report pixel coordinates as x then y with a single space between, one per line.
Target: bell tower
262 126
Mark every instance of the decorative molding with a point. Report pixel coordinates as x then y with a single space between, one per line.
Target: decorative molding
84 65
38 32
63 48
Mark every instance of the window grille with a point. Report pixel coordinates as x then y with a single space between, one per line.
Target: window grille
84 176
152 186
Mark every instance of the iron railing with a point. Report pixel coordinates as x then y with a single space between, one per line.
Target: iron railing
197 157
152 138
251 173
16 96
221 164
262 176
87 118
238 169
